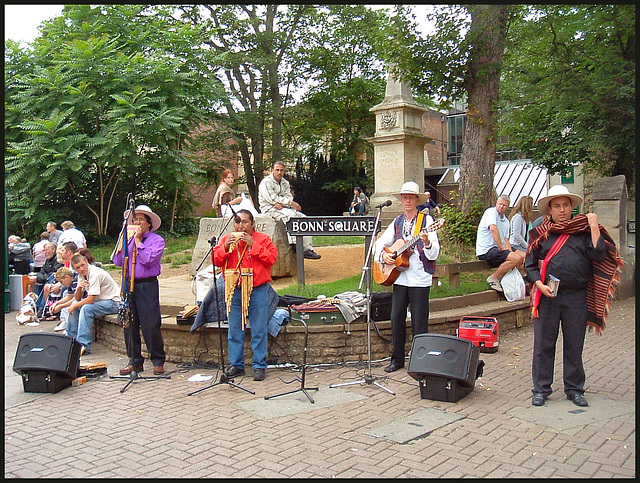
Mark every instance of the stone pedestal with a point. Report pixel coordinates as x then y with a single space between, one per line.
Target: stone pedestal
398 144
211 227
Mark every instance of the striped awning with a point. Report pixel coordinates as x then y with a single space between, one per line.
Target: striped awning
514 178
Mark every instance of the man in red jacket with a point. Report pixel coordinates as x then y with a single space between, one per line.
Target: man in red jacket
247 249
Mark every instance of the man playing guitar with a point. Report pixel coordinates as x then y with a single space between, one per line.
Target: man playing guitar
413 283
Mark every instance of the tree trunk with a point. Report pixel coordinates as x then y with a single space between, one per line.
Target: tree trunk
487 36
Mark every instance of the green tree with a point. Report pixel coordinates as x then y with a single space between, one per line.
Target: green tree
104 108
569 88
462 61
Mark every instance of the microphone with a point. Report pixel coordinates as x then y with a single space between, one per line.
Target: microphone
386 203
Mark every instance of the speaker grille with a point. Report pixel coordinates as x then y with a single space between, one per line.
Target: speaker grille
47 352
444 356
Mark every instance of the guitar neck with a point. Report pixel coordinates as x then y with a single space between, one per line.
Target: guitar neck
435 226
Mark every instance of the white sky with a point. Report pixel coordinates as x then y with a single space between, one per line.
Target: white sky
21 22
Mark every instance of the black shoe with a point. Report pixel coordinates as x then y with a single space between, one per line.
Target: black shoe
538 399
310 254
258 375
233 372
393 367
578 399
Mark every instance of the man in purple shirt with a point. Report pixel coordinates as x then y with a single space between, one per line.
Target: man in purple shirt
145 298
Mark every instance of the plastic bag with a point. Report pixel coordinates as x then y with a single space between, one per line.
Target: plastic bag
245 204
513 286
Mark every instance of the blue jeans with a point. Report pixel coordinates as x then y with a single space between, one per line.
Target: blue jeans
80 322
259 317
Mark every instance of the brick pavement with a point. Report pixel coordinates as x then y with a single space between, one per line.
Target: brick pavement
154 429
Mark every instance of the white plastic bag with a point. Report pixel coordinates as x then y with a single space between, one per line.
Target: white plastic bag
513 286
245 204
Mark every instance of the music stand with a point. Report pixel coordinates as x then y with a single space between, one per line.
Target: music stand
366 276
304 368
223 377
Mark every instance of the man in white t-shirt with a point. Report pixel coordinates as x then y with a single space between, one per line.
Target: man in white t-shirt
492 242
103 297
72 234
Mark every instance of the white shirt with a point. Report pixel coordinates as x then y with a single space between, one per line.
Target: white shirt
73 235
414 275
101 284
484 239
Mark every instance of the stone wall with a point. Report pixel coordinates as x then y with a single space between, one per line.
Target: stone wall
327 343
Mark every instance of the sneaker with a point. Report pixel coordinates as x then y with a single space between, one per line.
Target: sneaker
311 255
494 283
233 372
258 375
61 326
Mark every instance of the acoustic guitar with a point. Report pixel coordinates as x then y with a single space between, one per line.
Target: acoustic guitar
386 274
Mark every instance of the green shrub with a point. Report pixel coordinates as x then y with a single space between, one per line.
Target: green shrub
462 227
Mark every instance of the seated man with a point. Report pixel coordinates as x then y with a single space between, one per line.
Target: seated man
430 205
19 255
50 266
492 242
103 297
71 234
276 201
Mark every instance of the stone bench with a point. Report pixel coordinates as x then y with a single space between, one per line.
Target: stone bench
453 271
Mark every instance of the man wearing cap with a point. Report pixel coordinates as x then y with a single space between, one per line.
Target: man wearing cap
492 242
413 284
145 298
581 255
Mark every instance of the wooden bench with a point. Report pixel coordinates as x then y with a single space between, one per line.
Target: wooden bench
453 271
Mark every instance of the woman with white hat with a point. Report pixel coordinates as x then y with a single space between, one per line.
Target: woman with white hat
413 284
145 298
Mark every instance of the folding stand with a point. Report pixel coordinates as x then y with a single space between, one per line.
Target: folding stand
304 368
134 376
366 275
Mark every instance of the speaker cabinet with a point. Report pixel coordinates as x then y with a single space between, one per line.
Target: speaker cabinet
445 366
44 352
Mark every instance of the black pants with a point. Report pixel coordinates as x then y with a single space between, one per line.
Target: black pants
570 310
145 307
418 297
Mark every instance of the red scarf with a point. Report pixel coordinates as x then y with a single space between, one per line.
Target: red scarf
604 278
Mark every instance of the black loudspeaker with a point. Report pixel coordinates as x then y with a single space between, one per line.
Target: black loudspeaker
444 356
42 352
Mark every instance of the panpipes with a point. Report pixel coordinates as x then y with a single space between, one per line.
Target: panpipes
246 284
233 244
244 279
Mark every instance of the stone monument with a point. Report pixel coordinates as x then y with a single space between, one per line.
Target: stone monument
398 143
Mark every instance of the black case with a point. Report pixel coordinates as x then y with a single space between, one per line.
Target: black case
381 306
442 389
44 381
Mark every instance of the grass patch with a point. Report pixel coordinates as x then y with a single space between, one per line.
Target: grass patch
326 241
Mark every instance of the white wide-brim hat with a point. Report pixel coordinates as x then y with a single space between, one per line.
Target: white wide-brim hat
155 219
411 188
557 191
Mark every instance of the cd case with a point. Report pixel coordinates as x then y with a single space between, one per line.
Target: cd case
553 284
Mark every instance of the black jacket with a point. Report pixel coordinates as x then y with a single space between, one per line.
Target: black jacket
50 266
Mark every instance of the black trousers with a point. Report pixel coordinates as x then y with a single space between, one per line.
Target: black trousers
418 297
145 307
570 310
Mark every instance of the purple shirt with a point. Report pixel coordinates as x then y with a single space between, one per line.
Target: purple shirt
149 259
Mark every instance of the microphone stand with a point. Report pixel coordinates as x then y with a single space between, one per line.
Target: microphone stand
366 276
223 378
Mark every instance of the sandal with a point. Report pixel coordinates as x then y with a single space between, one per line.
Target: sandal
51 319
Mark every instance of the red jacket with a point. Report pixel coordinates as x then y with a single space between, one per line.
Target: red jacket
261 257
